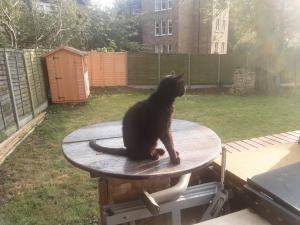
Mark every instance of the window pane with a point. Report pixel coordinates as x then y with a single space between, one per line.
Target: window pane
164 48
170 4
157 5
216 47
218 24
164 27
163 4
170 28
223 47
157 28
169 48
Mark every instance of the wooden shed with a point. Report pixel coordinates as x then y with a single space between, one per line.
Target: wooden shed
68 75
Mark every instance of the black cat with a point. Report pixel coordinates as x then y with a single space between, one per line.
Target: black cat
149 120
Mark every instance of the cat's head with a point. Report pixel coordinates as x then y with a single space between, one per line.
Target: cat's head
172 85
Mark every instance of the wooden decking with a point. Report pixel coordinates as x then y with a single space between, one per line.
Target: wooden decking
266 141
247 158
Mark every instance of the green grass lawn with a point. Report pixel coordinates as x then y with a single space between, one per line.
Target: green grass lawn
38 186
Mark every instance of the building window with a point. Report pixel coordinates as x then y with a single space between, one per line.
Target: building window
164 49
163 27
223 47
170 27
216 47
156 49
157 29
163 4
170 4
218 24
169 48
224 25
157 5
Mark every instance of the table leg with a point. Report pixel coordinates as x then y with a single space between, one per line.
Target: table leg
103 197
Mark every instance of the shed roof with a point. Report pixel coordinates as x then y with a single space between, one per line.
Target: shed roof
70 49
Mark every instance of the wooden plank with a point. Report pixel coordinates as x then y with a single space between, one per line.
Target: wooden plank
267 158
197 145
283 137
294 134
245 145
236 147
269 141
8 146
290 136
275 139
243 217
229 149
253 143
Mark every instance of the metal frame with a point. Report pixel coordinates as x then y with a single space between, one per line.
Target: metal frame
129 212
213 193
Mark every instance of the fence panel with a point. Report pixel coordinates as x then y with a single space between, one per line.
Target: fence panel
204 69
37 78
143 69
107 69
22 88
7 121
177 63
229 63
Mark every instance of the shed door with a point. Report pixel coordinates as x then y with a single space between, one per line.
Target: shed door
65 77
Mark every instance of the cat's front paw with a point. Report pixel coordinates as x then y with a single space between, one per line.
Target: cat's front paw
176 160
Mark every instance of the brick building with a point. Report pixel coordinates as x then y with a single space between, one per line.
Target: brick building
183 26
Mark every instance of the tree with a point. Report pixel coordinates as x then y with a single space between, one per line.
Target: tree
10 12
24 24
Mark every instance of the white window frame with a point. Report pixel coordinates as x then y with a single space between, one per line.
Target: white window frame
162 28
158 5
170 22
155 28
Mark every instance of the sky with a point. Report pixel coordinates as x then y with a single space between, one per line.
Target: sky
103 3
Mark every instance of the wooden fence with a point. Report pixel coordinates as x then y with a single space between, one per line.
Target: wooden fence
107 69
148 69
22 88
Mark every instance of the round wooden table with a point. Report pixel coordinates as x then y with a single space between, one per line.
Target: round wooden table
197 145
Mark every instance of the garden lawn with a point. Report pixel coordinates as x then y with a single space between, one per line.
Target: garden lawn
38 186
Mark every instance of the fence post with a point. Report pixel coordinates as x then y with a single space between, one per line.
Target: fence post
219 70
11 90
295 70
28 84
158 58
189 70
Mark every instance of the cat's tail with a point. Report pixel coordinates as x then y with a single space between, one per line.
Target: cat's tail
112 151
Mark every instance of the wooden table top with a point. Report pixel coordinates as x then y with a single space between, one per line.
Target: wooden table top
197 145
